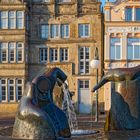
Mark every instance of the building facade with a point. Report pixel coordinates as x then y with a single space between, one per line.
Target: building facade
62 34
122 37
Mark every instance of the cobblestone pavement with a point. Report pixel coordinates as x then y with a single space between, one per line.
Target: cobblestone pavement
84 122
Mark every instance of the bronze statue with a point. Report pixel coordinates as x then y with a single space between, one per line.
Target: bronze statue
38 117
125 98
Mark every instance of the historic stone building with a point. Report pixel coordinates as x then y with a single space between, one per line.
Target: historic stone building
62 33
122 37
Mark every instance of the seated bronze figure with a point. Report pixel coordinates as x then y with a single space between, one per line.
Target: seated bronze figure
38 117
125 98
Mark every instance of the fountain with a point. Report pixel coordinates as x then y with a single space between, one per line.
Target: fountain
37 115
125 98
69 110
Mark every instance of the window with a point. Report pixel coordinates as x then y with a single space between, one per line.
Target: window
4 52
43 54
55 30
137 14
46 0
63 54
53 55
65 31
19 89
133 48
11 52
84 84
3 90
4 20
83 30
115 48
64 0
11 19
19 52
44 31
84 60
128 14
19 19
11 90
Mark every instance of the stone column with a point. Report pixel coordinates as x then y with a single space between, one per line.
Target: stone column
124 46
107 46
133 14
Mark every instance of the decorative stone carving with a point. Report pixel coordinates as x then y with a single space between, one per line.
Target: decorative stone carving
124 29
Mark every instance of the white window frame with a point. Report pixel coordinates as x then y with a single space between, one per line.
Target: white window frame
19 85
4 46
21 18
133 44
44 33
65 30
55 31
11 85
3 85
84 60
82 83
44 52
84 30
115 45
17 52
4 18
64 55
53 55
12 18
9 51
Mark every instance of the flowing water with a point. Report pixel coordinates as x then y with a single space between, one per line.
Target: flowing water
68 108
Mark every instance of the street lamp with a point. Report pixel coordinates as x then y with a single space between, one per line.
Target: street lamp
95 64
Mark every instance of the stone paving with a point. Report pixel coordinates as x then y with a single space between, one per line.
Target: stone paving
85 122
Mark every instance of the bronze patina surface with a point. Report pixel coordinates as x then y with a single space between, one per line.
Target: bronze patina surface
125 98
37 116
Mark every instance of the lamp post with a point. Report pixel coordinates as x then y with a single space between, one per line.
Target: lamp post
95 64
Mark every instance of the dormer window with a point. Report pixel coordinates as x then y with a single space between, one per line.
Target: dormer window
132 14
128 14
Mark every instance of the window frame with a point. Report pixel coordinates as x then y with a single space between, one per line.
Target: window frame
9 86
116 44
21 18
11 18
133 44
65 26
53 55
17 52
3 85
54 35
65 54
83 61
9 52
45 55
83 30
17 90
6 20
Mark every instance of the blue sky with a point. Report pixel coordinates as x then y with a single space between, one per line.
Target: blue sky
103 1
